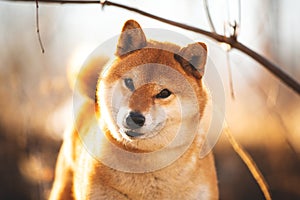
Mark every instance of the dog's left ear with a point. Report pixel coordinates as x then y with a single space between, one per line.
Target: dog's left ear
193 58
132 38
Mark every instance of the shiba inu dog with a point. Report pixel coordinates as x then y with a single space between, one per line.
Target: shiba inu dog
146 104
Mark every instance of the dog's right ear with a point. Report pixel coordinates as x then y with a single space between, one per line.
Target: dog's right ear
132 38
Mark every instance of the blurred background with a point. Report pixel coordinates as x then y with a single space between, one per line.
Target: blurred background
36 97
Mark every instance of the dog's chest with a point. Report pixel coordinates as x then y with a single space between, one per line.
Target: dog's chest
172 182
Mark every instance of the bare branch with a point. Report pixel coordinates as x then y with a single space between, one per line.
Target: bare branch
232 41
38 26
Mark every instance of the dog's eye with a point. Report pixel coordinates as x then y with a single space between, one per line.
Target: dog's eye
129 84
165 93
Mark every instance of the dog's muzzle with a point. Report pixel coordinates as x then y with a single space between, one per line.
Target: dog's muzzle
134 120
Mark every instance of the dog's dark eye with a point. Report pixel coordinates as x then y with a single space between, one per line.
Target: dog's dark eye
129 84
165 93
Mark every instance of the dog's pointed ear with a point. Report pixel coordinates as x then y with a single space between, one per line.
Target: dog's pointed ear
193 58
131 38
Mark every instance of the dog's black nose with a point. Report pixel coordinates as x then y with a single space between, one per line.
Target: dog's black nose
135 120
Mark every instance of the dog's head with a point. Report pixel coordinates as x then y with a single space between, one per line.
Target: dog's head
141 96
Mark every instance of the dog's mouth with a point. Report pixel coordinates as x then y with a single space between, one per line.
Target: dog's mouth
139 134
133 134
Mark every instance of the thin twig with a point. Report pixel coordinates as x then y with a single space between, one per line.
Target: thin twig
285 133
275 114
249 163
227 49
207 11
230 75
271 107
274 69
38 25
240 15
